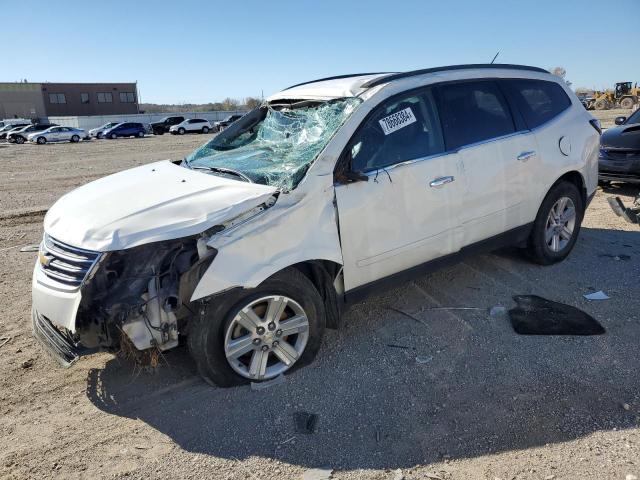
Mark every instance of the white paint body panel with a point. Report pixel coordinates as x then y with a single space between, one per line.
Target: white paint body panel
159 201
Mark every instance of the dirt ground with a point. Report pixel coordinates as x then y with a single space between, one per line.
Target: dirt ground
450 394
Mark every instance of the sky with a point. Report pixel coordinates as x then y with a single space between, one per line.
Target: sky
185 51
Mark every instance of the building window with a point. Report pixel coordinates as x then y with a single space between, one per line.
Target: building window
127 97
57 98
84 98
105 97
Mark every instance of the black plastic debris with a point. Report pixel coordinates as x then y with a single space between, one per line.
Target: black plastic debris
305 422
538 316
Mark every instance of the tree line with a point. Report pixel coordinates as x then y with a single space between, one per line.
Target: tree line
228 104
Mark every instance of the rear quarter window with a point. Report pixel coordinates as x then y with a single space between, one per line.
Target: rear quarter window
538 101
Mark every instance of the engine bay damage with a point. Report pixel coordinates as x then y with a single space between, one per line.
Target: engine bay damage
143 293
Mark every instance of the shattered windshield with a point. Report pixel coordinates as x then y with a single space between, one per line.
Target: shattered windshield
274 144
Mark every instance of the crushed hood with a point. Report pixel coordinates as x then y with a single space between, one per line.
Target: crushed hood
159 201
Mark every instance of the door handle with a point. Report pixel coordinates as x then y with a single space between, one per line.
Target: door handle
525 156
440 182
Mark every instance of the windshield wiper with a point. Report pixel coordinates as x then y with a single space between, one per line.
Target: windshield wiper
228 171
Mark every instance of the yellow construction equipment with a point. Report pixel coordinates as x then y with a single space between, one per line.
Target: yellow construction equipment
625 95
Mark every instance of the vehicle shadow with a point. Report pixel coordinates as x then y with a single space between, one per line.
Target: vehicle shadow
406 382
618 188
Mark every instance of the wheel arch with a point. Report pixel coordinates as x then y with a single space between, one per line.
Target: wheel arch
577 179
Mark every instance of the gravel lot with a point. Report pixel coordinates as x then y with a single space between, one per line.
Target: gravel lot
482 402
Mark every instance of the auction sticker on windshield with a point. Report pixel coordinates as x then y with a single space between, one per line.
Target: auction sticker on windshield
397 120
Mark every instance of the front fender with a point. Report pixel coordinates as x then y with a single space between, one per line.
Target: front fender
297 228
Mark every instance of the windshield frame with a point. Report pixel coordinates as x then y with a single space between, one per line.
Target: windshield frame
288 176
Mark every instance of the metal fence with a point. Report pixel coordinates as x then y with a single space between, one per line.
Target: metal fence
90 122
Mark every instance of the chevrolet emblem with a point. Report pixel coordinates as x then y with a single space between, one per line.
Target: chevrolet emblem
45 260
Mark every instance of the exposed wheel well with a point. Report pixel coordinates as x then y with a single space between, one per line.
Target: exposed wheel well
322 274
576 178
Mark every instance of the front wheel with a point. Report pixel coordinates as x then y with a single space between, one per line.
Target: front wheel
181 131
41 140
140 134
113 136
205 129
255 335
19 140
99 136
75 139
557 224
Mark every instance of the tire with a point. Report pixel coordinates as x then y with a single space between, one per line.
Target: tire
100 135
75 139
627 103
19 140
181 131
545 247
113 136
205 129
158 132
601 105
41 140
212 329
140 134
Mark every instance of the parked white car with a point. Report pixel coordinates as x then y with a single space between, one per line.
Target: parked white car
14 121
58 134
99 132
191 125
332 190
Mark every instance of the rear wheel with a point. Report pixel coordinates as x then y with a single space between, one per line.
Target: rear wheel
140 134
19 140
255 335
41 140
626 102
75 139
557 224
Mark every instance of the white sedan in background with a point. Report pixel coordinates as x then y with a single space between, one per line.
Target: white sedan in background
99 132
58 134
191 125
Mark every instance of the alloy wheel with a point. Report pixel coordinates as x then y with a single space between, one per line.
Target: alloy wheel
560 225
266 337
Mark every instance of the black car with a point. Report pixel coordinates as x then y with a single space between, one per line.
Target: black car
619 158
20 136
163 126
222 124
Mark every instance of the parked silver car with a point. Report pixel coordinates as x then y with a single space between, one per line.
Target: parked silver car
99 132
58 134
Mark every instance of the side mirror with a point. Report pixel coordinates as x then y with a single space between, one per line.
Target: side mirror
620 120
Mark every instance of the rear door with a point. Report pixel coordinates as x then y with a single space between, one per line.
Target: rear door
494 149
406 213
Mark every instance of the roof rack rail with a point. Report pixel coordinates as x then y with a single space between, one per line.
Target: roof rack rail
338 77
396 76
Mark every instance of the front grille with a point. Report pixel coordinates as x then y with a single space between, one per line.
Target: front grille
66 264
621 154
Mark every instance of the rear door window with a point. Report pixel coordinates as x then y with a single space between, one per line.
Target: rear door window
400 129
473 112
537 100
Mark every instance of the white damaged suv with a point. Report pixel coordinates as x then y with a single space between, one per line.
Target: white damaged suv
256 242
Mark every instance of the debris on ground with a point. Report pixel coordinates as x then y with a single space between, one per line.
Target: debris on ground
27 363
398 475
497 311
257 386
423 359
621 256
4 341
305 422
392 345
535 315
317 474
626 406
599 295
30 248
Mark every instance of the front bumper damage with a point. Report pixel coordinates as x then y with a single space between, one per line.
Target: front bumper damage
619 165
